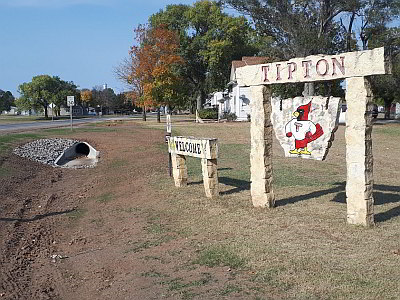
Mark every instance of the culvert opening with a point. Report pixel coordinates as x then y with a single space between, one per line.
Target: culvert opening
82 149
60 152
79 155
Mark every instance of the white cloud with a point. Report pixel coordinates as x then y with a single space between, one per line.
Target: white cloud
50 3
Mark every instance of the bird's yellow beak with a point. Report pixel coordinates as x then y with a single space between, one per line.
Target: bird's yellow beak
296 114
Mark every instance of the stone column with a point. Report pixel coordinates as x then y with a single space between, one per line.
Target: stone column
359 159
210 177
179 170
262 194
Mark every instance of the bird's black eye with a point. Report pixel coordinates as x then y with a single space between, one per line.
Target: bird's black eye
301 111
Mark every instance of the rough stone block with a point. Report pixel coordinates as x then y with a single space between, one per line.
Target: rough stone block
179 170
315 68
261 148
263 200
359 186
210 177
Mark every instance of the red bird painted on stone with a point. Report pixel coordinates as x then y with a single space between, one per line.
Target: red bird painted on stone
303 130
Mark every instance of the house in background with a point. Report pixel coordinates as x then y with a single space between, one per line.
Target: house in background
13 111
77 110
237 99
395 111
217 100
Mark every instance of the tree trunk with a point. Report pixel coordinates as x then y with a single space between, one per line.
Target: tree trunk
158 115
309 89
349 31
144 113
46 115
388 104
198 102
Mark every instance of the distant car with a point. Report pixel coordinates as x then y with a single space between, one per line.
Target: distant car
375 111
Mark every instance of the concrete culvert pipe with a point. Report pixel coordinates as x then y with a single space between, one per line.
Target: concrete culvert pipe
79 155
82 149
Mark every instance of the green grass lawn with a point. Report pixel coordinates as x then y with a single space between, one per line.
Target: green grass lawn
303 248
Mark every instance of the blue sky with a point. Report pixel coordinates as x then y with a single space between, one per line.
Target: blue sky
77 40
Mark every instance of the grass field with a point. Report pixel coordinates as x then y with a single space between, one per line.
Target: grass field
301 249
10 119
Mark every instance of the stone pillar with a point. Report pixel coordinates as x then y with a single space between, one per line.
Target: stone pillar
210 177
359 159
262 194
179 170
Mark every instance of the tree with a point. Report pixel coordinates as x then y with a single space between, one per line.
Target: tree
6 100
62 90
86 96
128 73
23 103
103 98
299 28
122 102
385 88
209 40
158 67
308 27
38 92
43 90
151 70
375 16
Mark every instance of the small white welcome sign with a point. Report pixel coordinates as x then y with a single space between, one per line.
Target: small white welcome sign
195 147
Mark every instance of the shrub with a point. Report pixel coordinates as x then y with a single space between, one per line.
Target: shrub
230 117
210 113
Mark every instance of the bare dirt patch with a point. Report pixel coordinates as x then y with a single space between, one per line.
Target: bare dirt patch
123 231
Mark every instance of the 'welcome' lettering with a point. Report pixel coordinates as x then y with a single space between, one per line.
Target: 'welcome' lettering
201 148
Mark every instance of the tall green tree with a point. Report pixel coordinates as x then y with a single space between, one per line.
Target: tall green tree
385 88
38 92
61 91
298 28
103 99
43 90
308 27
376 16
6 100
209 40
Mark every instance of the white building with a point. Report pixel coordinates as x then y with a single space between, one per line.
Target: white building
237 99
395 111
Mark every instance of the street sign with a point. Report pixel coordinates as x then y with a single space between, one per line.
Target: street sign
52 105
169 130
70 100
70 103
169 125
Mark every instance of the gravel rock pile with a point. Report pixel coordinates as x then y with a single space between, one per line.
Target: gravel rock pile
45 151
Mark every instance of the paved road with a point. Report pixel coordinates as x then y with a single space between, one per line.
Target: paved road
20 126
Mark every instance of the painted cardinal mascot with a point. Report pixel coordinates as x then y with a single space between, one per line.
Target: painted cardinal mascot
303 130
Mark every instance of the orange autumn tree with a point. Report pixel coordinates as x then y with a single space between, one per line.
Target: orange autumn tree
157 67
86 96
127 73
